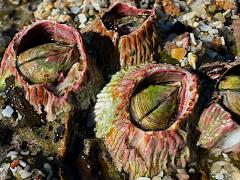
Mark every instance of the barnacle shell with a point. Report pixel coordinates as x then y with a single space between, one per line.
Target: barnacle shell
217 124
214 123
132 47
133 149
78 76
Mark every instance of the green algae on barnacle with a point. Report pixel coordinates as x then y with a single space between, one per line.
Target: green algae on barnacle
142 149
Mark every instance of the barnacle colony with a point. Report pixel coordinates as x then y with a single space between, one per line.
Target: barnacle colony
145 137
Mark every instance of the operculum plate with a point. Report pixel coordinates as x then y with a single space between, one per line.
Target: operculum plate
230 83
149 106
231 99
42 64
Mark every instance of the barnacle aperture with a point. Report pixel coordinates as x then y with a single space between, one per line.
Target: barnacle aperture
124 20
44 63
124 36
148 107
144 137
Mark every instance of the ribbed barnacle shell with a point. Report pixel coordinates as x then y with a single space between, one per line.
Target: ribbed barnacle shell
138 150
123 36
49 62
214 123
218 123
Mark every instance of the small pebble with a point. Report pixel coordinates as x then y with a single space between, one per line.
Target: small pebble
212 8
82 18
193 41
223 41
75 9
217 24
24 153
234 17
156 178
12 155
14 163
8 111
48 168
195 24
24 174
213 31
187 16
192 170
178 53
27 168
179 43
160 174
219 17
167 178
22 163
204 27
37 172
227 13
4 167
50 158
143 178
219 176
14 170
235 175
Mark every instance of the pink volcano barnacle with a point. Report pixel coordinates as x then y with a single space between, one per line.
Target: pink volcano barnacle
123 36
219 122
131 118
49 62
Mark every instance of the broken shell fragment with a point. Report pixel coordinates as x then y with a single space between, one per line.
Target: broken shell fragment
141 139
123 36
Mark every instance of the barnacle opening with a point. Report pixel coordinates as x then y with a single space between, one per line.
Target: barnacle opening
42 33
45 51
154 103
124 18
